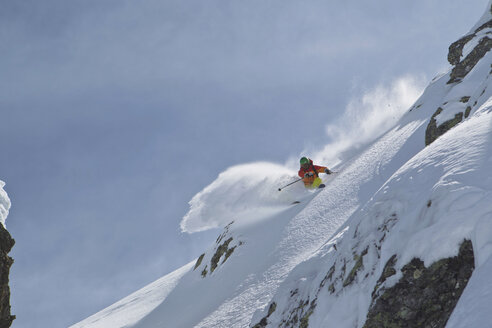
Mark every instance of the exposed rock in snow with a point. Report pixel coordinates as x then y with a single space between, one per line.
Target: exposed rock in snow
6 244
224 247
462 68
424 296
478 43
433 131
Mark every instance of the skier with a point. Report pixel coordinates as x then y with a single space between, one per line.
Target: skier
310 173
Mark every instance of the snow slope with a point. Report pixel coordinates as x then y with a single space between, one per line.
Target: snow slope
397 196
271 247
440 197
4 204
132 308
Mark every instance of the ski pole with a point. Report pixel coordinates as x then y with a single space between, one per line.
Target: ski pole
279 189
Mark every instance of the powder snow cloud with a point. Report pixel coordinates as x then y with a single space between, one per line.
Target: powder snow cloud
253 187
369 116
235 192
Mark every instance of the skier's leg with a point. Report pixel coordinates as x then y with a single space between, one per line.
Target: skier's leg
316 182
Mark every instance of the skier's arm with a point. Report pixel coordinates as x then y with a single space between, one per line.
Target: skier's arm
322 169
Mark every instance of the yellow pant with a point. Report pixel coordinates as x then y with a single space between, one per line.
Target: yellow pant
315 184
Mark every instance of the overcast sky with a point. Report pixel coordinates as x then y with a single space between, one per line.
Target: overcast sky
115 113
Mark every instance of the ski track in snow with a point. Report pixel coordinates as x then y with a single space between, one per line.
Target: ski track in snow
450 173
311 228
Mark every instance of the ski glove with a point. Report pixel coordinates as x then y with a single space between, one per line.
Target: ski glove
327 171
308 174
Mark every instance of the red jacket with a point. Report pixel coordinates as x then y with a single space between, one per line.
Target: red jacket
319 169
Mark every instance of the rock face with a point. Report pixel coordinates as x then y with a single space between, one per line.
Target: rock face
434 131
476 45
6 244
423 297
480 43
263 322
225 246
463 66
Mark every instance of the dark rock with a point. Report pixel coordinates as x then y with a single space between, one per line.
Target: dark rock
329 276
433 131
221 250
228 253
272 308
462 68
204 272
199 261
484 26
456 49
264 321
388 271
358 265
304 323
423 297
6 244
467 111
299 317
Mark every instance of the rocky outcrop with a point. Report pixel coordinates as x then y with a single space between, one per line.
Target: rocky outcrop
264 321
463 67
456 49
199 261
359 261
434 131
424 296
223 249
225 246
298 317
6 244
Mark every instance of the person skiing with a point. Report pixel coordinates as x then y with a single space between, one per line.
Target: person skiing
310 173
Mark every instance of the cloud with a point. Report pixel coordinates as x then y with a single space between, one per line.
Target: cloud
369 116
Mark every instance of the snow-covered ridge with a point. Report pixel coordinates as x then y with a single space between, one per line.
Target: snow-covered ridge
415 198
438 199
134 307
4 204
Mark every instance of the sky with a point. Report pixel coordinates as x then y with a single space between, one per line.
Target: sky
115 114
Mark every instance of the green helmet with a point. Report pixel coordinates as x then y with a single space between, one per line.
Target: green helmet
304 160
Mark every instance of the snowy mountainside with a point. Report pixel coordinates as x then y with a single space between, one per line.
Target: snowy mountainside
6 244
268 249
406 211
426 210
134 307
4 204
